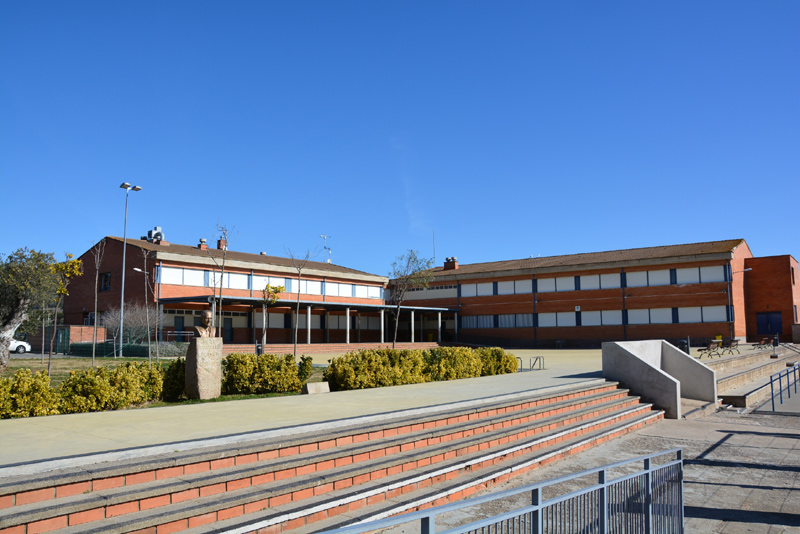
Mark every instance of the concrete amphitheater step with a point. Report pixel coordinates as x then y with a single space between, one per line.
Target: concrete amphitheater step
291 470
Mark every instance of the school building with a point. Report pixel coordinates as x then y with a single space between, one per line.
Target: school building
337 304
697 291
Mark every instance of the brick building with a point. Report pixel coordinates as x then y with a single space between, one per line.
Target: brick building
337 304
699 290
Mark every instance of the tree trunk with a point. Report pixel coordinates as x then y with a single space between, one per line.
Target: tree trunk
396 324
94 321
263 328
7 334
53 337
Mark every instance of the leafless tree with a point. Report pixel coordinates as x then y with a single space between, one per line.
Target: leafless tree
137 319
98 251
409 271
223 235
299 263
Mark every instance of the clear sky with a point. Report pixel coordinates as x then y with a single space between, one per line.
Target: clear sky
509 128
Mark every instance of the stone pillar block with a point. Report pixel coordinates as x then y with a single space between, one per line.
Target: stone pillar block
204 368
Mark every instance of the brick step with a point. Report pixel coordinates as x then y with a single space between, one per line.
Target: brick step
470 455
119 501
731 381
47 485
393 497
728 364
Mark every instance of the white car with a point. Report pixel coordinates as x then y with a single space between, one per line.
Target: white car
20 347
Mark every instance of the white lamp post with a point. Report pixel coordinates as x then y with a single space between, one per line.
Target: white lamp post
128 188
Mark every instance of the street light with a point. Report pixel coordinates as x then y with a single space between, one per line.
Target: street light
128 188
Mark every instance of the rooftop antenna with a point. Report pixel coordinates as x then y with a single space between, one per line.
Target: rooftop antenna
325 246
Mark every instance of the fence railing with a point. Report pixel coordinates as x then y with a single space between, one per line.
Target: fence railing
791 374
648 499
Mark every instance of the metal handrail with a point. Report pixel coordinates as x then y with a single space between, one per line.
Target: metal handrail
790 372
426 518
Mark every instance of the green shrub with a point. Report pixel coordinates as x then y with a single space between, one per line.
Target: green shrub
304 367
452 363
88 390
372 368
174 387
98 388
248 374
27 395
496 361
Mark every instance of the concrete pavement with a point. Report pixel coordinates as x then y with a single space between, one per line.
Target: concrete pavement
742 470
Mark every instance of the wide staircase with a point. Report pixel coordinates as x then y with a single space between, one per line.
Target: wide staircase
303 482
743 379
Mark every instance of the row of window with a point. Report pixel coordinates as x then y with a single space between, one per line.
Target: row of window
663 277
200 278
695 314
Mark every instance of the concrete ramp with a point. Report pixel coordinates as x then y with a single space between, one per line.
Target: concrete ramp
660 373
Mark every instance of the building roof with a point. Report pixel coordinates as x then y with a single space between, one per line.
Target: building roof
233 258
598 260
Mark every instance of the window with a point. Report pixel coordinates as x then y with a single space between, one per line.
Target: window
638 316
524 320
505 288
565 283
691 314
591 318
612 317
793 284
105 282
485 289
506 320
688 276
661 316
545 285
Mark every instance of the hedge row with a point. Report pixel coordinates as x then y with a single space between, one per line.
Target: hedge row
389 367
171 349
99 388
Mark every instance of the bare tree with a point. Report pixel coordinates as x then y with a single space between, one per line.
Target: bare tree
98 251
409 271
299 263
137 319
223 234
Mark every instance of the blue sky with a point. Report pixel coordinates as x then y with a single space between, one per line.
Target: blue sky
509 129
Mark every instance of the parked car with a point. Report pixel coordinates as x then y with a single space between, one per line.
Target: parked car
20 347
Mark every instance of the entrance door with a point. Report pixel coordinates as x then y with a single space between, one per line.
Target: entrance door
227 323
179 328
769 323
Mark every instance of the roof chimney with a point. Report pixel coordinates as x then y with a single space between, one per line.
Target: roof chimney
222 244
202 245
450 263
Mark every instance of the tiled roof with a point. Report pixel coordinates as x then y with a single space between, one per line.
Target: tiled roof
593 258
232 255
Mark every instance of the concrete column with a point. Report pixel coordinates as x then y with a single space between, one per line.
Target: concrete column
412 326
455 316
160 323
382 326
439 325
347 325
308 325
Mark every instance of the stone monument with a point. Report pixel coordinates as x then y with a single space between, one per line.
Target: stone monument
204 362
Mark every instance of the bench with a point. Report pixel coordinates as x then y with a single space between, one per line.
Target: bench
765 342
730 345
712 349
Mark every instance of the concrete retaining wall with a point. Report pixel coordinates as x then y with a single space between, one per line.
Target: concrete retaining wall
660 373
